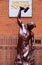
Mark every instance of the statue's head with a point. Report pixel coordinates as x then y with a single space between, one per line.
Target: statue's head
31 25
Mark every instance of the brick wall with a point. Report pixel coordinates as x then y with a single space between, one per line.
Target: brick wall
9 26
9 30
7 50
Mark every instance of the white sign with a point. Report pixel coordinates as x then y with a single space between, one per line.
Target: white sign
14 6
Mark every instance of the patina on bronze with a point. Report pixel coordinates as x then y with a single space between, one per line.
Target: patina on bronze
25 41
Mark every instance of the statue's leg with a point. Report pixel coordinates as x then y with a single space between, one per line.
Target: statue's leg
26 63
31 54
18 60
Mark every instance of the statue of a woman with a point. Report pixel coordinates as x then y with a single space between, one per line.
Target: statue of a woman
25 41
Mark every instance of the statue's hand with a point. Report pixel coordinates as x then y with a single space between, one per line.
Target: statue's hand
25 10
21 8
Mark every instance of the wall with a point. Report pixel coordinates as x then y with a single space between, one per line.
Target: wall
9 31
9 26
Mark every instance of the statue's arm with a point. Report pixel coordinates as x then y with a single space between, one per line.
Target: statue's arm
32 39
19 17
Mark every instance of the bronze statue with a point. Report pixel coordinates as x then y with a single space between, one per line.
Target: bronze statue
25 41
